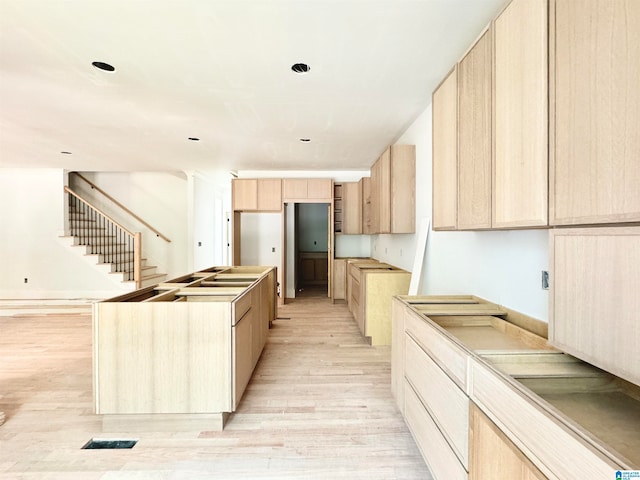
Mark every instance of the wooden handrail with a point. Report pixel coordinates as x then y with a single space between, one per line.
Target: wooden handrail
68 190
94 186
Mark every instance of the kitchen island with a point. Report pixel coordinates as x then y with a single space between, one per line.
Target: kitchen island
184 349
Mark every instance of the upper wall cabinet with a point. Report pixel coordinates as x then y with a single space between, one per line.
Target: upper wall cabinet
595 89
244 193
493 136
367 217
352 208
474 136
403 189
393 183
257 195
520 121
445 153
307 190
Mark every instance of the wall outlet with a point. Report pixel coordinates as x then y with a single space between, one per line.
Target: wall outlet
545 280
26 280
273 249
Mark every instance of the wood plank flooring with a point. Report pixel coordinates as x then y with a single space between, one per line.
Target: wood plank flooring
319 406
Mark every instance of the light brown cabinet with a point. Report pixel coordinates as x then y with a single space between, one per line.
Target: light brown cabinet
520 123
339 284
367 207
594 303
393 179
595 112
474 136
244 194
370 288
257 195
347 207
496 128
351 208
307 189
445 153
562 131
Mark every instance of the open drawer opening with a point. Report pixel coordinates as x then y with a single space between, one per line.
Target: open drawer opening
600 405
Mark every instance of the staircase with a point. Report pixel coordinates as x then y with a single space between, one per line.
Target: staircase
110 246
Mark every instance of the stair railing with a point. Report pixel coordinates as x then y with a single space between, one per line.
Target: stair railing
129 212
104 236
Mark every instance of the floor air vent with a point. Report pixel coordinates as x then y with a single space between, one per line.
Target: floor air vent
96 443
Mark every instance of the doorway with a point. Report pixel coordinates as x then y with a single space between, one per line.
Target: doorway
308 249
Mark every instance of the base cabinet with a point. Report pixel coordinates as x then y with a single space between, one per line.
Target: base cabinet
486 397
371 286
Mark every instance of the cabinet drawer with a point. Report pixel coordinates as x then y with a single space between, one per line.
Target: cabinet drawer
441 460
551 447
449 356
446 403
241 306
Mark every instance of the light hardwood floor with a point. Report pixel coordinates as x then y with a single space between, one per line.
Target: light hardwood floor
319 406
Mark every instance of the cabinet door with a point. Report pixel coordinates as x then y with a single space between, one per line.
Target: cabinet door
242 356
269 194
307 269
595 88
294 189
383 192
320 189
595 281
445 153
397 351
351 208
520 161
245 194
474 136
321 270
493 455
367 207
338 285
375 197
402 199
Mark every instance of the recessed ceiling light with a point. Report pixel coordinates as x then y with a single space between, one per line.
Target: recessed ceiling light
104 66
305 139
194 139
65 153
300 68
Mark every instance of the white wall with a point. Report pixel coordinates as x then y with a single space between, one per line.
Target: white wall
32 219
500 266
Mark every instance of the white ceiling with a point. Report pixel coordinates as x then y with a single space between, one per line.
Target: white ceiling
220 71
